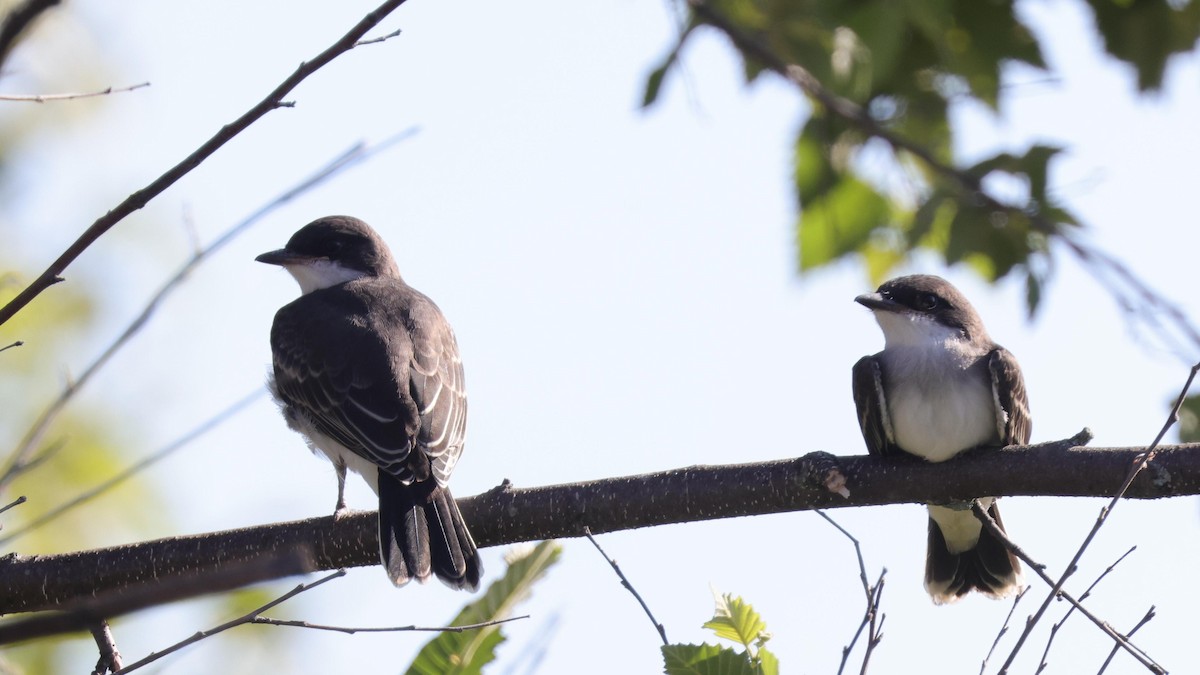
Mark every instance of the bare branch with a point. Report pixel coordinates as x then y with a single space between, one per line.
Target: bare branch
110 657
42 98
506 515
244 619
1071 609
157 456
267 621
87 609
226 133
374 41
16 502
662 632
1136 467
22 458
1056 592
1003 629
1144 620
872 593
18 20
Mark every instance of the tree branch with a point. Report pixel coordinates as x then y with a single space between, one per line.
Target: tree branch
507 515
143 196
18 20
42 98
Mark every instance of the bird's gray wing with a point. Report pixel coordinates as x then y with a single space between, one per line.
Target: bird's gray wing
871 402
1008 389
437 387
345 378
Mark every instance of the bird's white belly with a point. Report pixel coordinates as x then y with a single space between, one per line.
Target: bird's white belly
938 422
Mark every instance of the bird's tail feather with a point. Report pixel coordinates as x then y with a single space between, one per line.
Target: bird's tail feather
989 567
422 534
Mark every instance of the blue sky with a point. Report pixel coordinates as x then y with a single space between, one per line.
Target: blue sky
624 291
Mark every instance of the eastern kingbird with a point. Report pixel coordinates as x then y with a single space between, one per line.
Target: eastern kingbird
939 387
367 369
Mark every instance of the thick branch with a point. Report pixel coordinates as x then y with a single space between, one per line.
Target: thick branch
507 515
143 196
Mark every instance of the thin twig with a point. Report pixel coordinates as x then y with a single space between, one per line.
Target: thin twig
16 502
226 133
375 41
7 347
1056 592
22 458
110 656
662 632
873 592
1113 652
1003 629
267 621
154 457
1139 463
42 98
244 619
1071 609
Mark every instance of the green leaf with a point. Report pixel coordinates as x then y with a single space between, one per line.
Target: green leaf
768 663
466 653
1033 292
654 82
1145 33
706 659
1189 420
840 222
734 619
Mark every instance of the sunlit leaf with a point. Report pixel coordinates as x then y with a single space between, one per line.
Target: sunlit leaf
734 619
466 653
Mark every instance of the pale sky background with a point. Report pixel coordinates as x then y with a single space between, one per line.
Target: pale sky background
625 295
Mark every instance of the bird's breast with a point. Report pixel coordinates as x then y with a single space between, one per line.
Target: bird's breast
940 408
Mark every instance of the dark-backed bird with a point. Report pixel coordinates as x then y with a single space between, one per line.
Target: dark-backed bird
367 369
939 387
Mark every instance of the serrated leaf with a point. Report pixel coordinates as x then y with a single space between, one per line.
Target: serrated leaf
705 659
734 619
466 653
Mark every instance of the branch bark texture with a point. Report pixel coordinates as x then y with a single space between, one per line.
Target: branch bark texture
506 515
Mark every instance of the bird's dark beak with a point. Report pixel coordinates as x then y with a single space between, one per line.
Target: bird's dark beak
283 257
875 301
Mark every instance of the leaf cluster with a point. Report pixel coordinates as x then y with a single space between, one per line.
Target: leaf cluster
736 621
902 64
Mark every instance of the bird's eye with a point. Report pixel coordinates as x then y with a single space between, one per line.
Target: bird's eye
927 301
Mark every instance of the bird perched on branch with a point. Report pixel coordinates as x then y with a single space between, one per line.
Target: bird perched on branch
940 387
367 369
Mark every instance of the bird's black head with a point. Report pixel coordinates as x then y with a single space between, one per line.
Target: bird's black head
344 241
926 296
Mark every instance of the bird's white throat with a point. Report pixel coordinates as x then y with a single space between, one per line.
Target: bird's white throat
318 274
